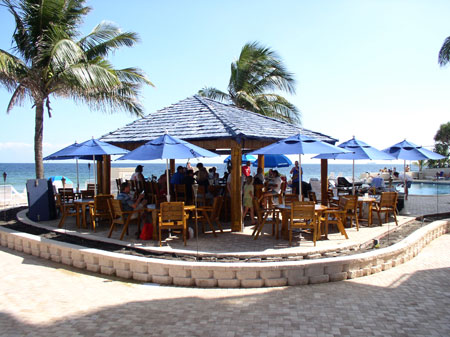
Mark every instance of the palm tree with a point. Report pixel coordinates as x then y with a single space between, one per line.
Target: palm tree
53 61
444 53
254 76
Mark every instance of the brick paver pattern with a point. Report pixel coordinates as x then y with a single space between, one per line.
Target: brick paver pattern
42 298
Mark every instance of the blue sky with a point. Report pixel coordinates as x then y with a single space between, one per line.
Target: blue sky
363 68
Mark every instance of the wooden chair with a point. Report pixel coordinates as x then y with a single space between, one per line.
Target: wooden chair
332 201
202 200
348 204
67 194
210 214
312 196
339 215
158 197
91 187
118 183
303 216
121 217
87 194
263 213
100 210
387 204
180 192
290 198
258 189
172 216
66 209
150 196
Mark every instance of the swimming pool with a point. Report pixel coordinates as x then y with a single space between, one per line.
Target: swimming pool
427 188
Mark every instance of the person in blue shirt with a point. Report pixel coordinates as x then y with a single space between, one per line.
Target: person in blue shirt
178 176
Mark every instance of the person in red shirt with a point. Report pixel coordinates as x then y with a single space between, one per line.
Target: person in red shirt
246 171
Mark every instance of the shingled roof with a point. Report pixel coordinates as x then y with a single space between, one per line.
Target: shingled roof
198 119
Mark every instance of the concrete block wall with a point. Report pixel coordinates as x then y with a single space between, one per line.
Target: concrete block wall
225 275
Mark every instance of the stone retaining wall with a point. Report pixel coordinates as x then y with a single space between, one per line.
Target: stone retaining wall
225 275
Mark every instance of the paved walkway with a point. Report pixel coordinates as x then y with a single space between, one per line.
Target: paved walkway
42 298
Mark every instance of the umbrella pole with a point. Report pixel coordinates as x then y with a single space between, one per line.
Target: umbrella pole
353 178
167 180
300 192
78 179
405 188
95 177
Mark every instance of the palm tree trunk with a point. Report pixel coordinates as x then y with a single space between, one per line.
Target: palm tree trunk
38 139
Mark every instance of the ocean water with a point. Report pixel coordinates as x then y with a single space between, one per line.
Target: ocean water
18 174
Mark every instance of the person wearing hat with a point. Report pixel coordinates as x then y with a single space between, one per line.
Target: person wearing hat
137 175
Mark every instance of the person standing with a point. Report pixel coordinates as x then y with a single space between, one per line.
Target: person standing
246 170
137 175
248 199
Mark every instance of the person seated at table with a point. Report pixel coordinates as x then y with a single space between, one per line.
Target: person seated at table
268 178
188 181
274 187
178 176
137 175
162 185
202 175
258 179
128 203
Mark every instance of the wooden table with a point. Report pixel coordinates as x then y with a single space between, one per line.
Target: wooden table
81 205
369 201
286 214
151 208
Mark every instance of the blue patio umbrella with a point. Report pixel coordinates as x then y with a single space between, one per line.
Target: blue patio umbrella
60 178
274 160
167 147
409 151
90 149
299 144
245 158
359 151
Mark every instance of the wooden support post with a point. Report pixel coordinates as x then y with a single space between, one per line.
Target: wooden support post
106 175
99 186
172 166
261 161
236 198
324 180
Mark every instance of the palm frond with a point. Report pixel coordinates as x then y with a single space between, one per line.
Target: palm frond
17 98
106 37
89 77
12 70
444 53
65 53
278 107
214 93
133 75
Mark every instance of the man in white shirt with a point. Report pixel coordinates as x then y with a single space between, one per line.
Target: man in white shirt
405 178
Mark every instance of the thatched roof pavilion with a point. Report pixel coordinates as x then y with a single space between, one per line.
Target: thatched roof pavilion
218 127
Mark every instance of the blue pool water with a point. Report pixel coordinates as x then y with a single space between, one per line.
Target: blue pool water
429 188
